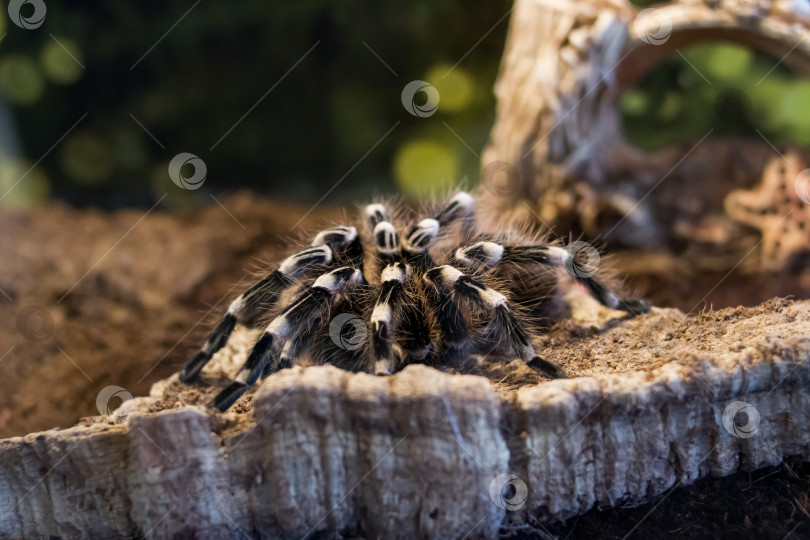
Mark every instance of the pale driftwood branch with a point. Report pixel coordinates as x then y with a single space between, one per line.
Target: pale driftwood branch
415 455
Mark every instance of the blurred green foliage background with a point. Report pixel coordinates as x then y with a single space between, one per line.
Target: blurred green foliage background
724 87
189 71
302 100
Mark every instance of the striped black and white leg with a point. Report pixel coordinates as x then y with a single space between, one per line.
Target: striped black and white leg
491 254
265 293
252 302
399 329
345 243
385 316
289 333
415 249
502 323
460 208
453 332
416 244
384 355
386 239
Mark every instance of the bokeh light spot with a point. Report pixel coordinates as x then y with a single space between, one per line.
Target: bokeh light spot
634 102
425 167
727 61
58 65
21 186
455 87
21 82
87 159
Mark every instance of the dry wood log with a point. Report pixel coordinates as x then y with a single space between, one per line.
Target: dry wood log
651 403
557 153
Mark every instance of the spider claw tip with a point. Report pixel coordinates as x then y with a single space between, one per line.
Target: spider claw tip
192 371
544 367
228 396
637 307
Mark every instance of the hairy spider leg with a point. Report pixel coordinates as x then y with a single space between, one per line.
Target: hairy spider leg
416 251
459 207
265 293
453 333
502 324
490 254
416 244
345 243
386 239
249 305
388 305
387 310
291 331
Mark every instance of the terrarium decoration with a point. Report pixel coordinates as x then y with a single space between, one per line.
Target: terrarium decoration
558 154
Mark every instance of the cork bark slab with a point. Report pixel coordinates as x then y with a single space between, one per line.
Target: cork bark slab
425 453
558 154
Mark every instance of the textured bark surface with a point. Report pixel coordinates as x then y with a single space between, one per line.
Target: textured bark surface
557 154
417 454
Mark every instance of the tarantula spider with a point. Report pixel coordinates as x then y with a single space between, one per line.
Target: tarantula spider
439 293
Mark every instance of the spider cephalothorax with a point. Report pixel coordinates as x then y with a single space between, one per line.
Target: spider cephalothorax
435 292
